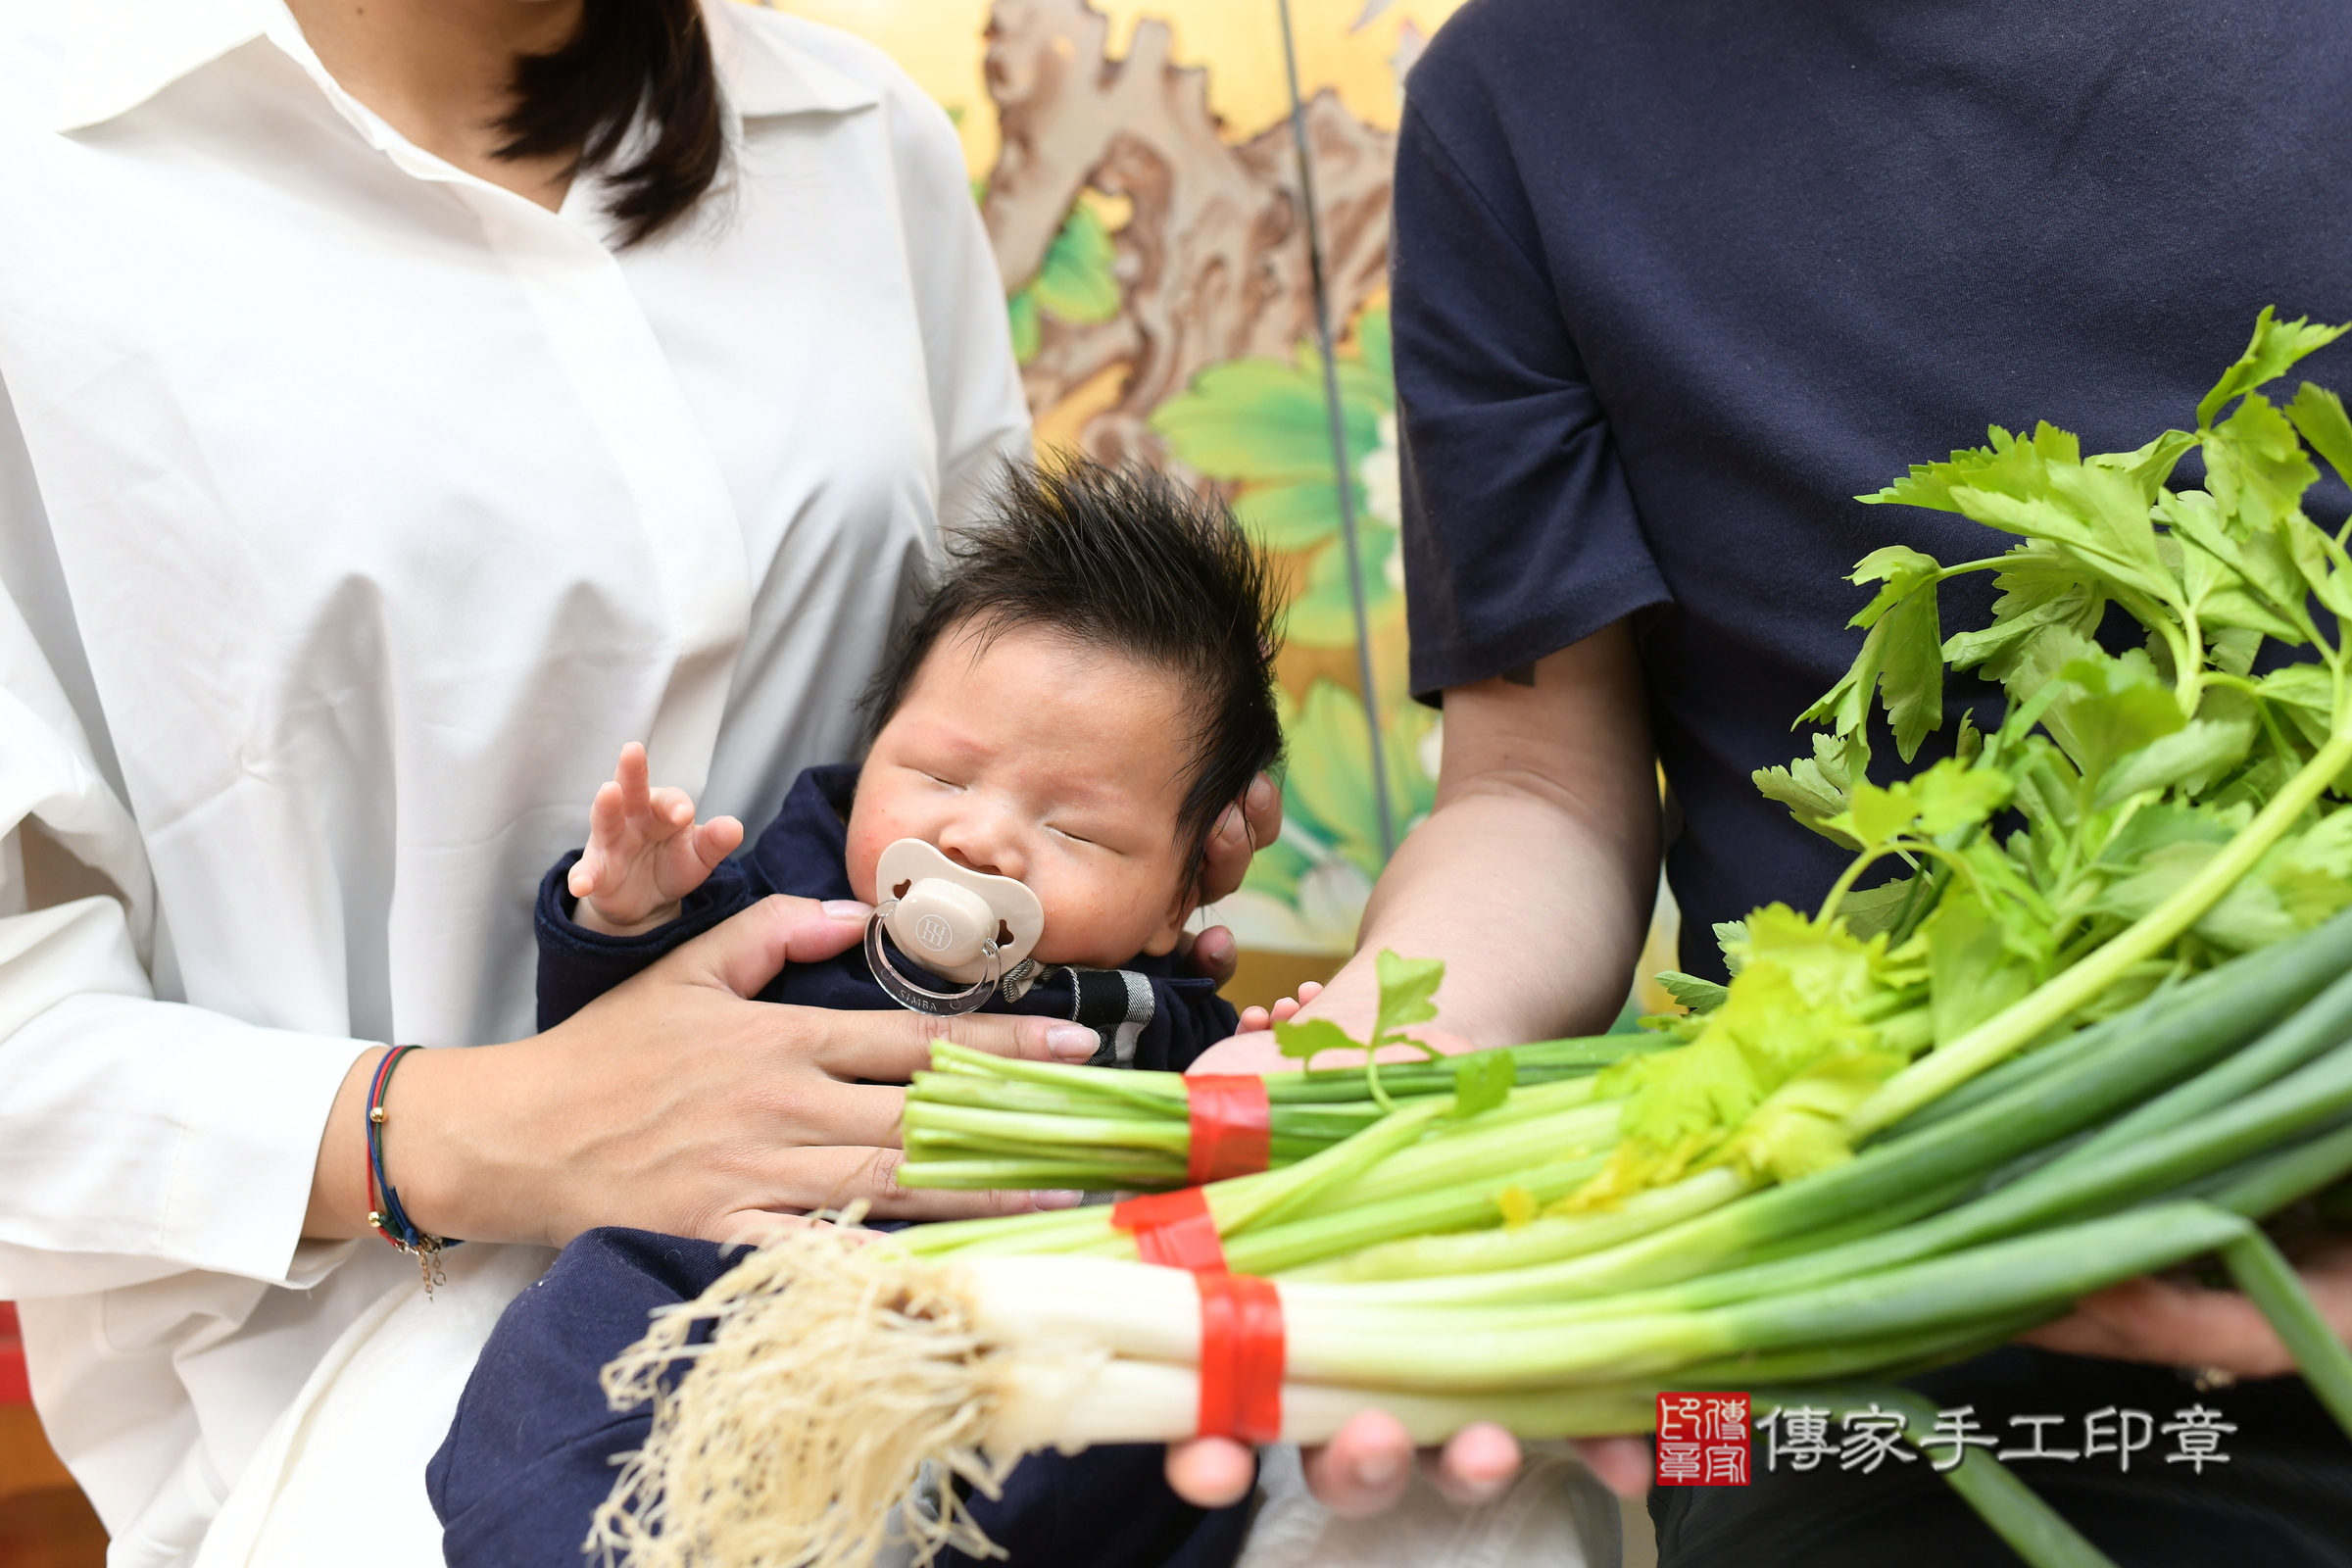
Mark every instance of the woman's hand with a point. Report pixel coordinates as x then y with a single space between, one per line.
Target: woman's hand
671 1103
644 850
2185 1324
1246 826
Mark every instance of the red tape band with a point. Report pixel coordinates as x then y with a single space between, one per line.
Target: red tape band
1232 1126
1240 1357
1173 1229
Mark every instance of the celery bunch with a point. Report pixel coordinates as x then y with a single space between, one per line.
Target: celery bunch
2137 815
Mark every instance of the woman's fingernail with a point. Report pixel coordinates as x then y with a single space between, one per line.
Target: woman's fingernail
1228 821
1380 1467
1261 793
846 909
1056 1197
1071 1041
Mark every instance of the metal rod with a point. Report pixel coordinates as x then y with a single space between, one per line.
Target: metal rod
1344 487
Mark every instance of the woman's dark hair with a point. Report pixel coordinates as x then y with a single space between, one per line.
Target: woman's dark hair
1130 561
627 55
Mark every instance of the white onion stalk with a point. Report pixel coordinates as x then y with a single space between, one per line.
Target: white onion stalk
839 1371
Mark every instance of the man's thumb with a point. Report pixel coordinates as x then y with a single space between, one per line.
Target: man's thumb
747 951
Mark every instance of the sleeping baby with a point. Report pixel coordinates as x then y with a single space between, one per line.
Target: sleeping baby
1053 738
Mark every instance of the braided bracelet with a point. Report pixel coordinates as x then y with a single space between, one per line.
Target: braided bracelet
384 1212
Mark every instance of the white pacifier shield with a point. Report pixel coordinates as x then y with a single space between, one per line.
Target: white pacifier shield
945 912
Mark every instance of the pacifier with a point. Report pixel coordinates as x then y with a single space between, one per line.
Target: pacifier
965 924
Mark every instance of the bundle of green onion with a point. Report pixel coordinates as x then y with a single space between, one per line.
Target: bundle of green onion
2099 1023
981 1122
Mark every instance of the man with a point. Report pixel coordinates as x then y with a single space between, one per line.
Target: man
1672 282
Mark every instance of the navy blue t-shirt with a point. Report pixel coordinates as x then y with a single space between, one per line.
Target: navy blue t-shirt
1674 281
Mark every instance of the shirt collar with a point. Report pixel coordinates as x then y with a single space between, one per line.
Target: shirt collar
121 53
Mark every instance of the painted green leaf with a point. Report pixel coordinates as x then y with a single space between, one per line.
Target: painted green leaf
1323 615
1022 310
1330 775
1276 870
1075 281
1291 514
1372 344
1365 396
1250 419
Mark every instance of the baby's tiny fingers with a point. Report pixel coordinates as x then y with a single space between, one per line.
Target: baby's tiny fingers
1308 991
1286 1009
716 838
1254 1019
672 806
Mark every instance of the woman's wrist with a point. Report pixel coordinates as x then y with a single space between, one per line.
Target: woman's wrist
339 1209
433 1132
443 1142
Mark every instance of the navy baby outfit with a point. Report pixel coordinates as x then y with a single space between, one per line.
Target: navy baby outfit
529 1455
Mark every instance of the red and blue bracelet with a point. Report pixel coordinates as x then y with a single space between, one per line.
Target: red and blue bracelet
384 1211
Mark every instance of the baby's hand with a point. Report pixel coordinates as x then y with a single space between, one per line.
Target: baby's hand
1254 1019
645 853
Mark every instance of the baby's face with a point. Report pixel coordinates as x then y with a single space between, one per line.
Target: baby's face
1060 767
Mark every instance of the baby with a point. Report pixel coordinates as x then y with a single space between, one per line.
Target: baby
1084 692
1073 707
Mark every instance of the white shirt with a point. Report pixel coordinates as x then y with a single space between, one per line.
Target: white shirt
353 512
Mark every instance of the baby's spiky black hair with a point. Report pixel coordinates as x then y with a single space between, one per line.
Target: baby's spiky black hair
1131 562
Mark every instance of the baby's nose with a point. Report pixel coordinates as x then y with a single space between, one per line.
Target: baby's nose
987 843
955 853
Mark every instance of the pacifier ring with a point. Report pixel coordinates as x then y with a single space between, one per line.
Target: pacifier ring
918 999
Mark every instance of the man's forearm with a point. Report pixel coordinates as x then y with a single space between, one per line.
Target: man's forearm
1535 875
1538 921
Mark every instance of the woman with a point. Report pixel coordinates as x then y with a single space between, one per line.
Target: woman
405 406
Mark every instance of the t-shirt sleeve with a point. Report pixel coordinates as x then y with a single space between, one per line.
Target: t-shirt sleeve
1520 532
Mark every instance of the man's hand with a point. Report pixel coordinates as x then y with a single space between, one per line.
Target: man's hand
1365 1468
644 852
2184 1325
